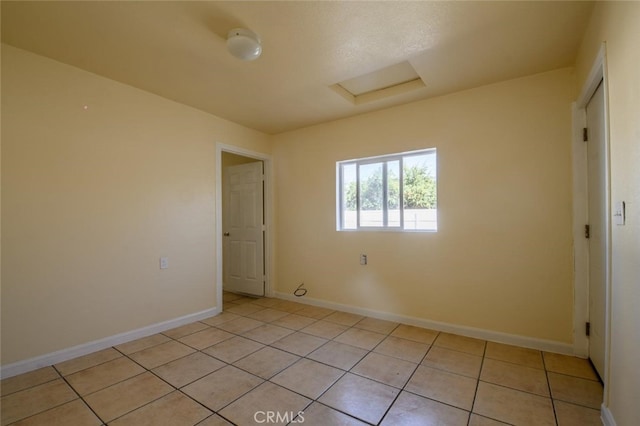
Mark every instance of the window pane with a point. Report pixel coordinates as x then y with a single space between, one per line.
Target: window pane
420 191
349 197
393 193
371 195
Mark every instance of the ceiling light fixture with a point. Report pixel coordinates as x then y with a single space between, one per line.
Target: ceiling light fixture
244 44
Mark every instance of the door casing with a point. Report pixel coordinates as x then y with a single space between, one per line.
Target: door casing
580 215
268 215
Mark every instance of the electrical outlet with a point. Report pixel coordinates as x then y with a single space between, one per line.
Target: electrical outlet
164 262
363 259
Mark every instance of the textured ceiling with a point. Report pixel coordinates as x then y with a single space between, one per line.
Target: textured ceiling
177 49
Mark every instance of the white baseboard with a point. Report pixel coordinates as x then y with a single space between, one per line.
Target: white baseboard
52 358
478 333
606 416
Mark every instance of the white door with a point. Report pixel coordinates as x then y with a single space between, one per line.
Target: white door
243 252
596 181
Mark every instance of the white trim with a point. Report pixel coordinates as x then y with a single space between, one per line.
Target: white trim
478 333
606 416
580 243
268 214
597 73
56 357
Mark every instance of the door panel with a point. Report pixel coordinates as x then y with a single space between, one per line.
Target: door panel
243 252
596 181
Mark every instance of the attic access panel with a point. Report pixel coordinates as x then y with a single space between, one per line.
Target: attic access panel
389 81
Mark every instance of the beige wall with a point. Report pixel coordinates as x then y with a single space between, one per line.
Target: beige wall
618 24
502 257
92 198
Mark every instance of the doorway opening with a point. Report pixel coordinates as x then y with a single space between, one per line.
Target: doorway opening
243 222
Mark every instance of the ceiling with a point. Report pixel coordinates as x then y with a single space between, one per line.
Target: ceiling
177 49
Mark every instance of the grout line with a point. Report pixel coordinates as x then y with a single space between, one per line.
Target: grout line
475 394
80 396
553 404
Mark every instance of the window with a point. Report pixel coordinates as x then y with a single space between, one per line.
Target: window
392 192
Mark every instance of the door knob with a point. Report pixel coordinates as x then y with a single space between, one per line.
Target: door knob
226 234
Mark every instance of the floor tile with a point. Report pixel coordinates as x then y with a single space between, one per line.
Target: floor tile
243 300
87 361
174 409
308 378
402 348
266 302
205 338
460 343
514 354
220 318
476 420
360 338
301 344
252 408
576 415
185 330
266 362
411 410
267 333
573 389
188 369
513 406
268 315
28 380
319 414
99 377
141 344
288 306
119 399
569 365
324 329
360 397
233 349
161 354
244 309
230 297
376 325
417 334
338 355
515 376
214 420
34 400
442 386
240 325
453 361
314 312
74 413
343 318
388 370
294 321
222 387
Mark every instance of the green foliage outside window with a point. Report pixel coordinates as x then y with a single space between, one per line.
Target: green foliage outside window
419 190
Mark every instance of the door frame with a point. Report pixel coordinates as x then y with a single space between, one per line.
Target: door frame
268 214
580 213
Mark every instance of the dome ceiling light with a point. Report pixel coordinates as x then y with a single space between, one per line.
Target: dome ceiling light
244 44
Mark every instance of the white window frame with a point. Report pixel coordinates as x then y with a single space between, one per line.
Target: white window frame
384 159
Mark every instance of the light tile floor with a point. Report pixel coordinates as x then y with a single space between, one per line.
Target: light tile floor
268 357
